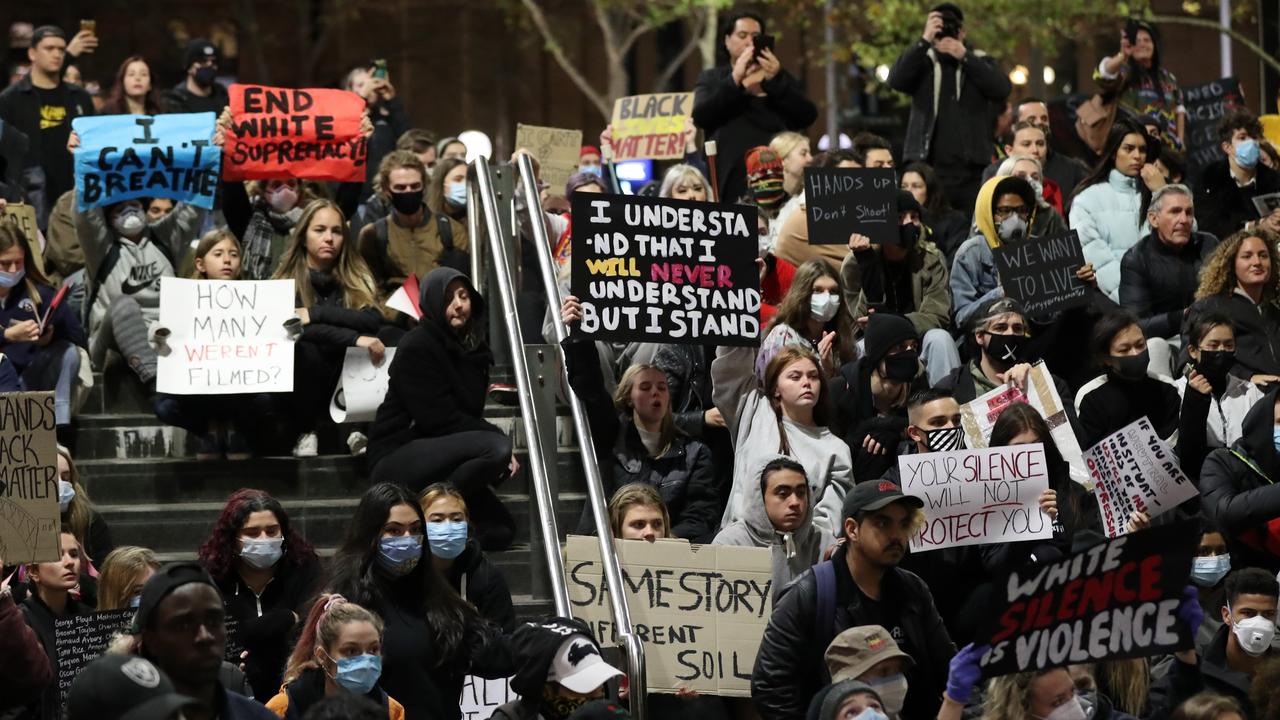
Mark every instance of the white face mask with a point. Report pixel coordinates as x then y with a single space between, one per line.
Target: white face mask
893 693
1069 710
823 306
1254 634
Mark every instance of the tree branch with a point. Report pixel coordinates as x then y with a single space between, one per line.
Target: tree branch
1211 25
557 52
694 41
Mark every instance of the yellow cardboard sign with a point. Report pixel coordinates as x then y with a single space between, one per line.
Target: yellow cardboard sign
650 126
557 151
29 518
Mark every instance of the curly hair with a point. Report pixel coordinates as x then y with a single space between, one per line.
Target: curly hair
1218 276
794 311
1008 695
220 550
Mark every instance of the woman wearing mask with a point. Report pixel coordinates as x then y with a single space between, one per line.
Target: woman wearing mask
267 574
948 228
1214 402
811 316
1238 490
124 572
133 93
793 148
459 559
79 516
1125 391
338 308
1048 198
1208 569
434 638
264 213
447 191
636 512
339 651
1241 282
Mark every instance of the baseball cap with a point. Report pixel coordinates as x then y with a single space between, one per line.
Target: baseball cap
124 687
162 583
873 495
45 31
578 666
588 150
858 649
198 50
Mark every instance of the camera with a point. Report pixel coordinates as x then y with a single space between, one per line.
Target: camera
950 26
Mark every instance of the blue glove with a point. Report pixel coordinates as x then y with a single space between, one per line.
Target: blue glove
965 672
1189 611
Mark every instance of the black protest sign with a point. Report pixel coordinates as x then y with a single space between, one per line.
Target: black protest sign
1041 273
669 271
1206 105
1116 599
842 201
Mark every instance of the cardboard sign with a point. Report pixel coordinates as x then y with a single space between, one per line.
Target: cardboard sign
1041 273
29 519
122 157
1117 599
284 132
700 609
557 151
481 696
974 497
1266 204
225 336
670 271
1133 470
362 386
23 217
650 126
1206 105
979 416
843 201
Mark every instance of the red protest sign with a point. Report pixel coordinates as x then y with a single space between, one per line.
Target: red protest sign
308 133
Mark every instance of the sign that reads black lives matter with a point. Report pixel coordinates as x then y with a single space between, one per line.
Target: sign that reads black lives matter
670 271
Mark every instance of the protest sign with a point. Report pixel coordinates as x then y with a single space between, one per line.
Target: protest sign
557 151
669 271
362 386
1206 105
282 132
122 157
1266 204
23 217
650 126
1133 470
1041 273
481 696
1117 599
29 517
843 201
225 336
979 416
974 497
700 609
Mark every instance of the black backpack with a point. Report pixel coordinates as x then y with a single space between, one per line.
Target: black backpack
450 256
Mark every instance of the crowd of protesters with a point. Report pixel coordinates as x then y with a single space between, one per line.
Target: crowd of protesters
868 351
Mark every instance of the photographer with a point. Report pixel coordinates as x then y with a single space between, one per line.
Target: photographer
952 88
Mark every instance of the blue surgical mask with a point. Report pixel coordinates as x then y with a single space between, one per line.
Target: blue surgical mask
591 170
261 553
458 194
871 714
1208 571
399 555
1247 153
9 279
447 539
66 493
1275 436
359 674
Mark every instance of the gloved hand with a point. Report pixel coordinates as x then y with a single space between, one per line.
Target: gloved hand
1189 611
965 672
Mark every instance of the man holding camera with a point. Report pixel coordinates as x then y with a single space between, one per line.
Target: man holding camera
955 92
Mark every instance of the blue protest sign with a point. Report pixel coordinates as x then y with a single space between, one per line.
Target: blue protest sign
134 156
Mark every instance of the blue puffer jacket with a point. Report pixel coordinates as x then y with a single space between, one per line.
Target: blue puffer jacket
1105 216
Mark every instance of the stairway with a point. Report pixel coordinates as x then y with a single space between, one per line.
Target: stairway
143 477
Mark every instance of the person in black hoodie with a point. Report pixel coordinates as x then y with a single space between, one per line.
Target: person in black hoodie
199 90
430 427
1238 491
560 670
1126 390
268 574
51 600
460 560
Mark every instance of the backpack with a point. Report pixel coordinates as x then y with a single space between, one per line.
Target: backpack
825 630
450 256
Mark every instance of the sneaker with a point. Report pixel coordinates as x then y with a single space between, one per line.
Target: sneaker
504 395
237 447
308 446
207 447
357 443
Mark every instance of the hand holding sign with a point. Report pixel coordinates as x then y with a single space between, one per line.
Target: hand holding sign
1046 275
122 157
842 202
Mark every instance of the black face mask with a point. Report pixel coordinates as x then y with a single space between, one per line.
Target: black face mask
901 367
205 75
1004 350
908 235
1131 367
407 203
944 439
1214 366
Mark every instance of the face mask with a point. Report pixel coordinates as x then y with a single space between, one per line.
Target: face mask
908 235
1215 364
944 439
1275 437
447 539
1012 228
9 279
407 203
901 367
205 75
892 691
1208 571
823 306
1254 634
1037 186
1131 367
282 199
1247 153
1069 710
591 170
1004 350
66 493
359 674
871 714
458 194
129 222
399 555
559 707
261 553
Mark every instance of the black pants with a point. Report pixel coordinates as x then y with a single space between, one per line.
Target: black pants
961 182
316 371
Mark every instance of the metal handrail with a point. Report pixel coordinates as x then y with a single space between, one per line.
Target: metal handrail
595 486
528 410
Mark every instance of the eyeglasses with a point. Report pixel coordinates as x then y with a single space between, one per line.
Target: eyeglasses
1005 211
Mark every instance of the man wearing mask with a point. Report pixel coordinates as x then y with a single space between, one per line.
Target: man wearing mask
1224 196
1159 275
1066 171
589 160
860 585
744 102
953 88
906 276
783 522
199 91
1243 642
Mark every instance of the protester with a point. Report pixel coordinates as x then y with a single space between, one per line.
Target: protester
1066 171
1209 568
1028 139
430 426
1048 201
684 182
451 148
636 512
765 181
50 600
847 700
133 93
420 142
447 191
79 516
264 213
386 111
124 573
812 315
119 687
1144 86
793 148
947 228
1244 641
23 660
1209 385
268 574
199 91
746 99
559 670
1211 706
339 652
869 654
459 559
1126 390
1227 187
872 151
1240 281
1237 489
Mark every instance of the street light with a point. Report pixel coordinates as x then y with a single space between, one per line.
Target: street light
1018 75
1049 75
477 144
882 73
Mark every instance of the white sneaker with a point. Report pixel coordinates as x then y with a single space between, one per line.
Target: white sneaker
357 443
308 446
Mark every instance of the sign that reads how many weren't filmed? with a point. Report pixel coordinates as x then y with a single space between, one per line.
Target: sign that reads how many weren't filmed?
671 271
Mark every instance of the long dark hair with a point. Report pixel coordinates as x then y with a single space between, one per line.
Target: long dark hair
1107 161
1104 331
936 203
116 104
1020 417
219 552
355 574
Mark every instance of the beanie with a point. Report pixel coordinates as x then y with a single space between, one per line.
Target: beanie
764 177
884 330
197 51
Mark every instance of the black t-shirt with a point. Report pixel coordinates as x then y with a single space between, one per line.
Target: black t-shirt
56 113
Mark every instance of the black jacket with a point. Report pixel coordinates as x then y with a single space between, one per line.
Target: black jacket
857 417
20 107
982 84
437 383
331 322
181 100
1158 282
790 666
486 587
1239 493
1113 403
948 230
1222 206
689 382
739 121
1257 332
42 620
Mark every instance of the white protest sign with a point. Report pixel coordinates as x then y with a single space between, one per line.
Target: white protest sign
979 416
700 609
225 336
1135 471
481 696
362 386
976 497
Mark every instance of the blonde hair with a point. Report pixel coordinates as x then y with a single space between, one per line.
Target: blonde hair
207 243
80 512
1218 276
678 174
120 571
329 614
1008 695
350 270
622 401
442 490
636 495
1127 683
785 143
